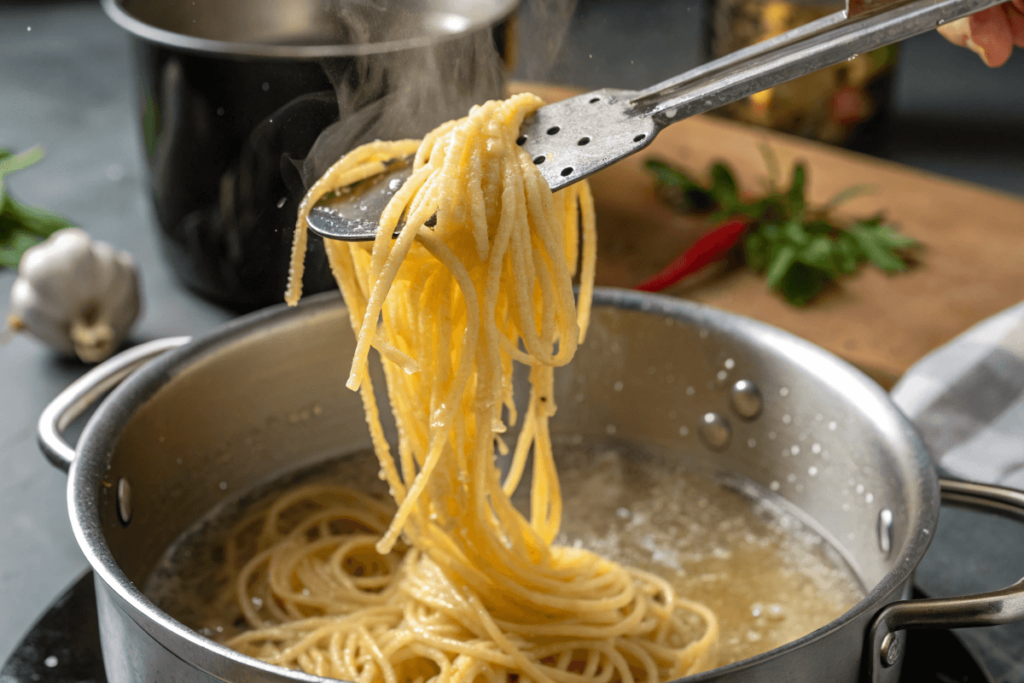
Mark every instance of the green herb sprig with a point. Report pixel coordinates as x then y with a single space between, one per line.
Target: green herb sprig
22 226
799 248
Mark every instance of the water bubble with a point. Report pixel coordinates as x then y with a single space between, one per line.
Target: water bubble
690 391
816 448
622 513
859 489
794 449
832 426
756 609
787 418
869 497
771 436
729 363
722 374
812 470
395 184
751 442
791 478
266 87
775 486
618 386
50 661
716 430
610 429
784 391
683 431
223 486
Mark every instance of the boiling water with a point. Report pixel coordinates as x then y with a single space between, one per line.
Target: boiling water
767 576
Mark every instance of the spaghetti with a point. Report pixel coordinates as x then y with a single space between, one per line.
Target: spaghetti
481 592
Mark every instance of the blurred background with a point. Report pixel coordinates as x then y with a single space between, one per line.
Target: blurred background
67 83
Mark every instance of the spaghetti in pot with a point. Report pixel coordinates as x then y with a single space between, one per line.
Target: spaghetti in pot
475 590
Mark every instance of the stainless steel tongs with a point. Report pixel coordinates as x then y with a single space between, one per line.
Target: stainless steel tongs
574 138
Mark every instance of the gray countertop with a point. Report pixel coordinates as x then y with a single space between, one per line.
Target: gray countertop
66 83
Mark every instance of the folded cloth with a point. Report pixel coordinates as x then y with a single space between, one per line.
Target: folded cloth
967 400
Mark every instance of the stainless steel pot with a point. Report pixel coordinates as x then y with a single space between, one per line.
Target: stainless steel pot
233 95
215 417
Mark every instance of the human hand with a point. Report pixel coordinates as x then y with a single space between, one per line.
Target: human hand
991 33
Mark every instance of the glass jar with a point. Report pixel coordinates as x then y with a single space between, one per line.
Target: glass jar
845 104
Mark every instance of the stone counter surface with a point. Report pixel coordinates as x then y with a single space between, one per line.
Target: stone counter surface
66 83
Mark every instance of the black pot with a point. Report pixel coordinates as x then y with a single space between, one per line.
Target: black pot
234 96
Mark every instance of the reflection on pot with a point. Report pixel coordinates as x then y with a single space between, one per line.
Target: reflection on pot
844 104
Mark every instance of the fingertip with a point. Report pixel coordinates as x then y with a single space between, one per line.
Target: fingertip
990 36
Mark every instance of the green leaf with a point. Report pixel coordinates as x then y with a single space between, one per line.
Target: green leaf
723 187
888 238
876 253
846 195
795 195
690 195
848 255
11 252
795 233
780 265
755 251
667 175
802 283
17 162
818 254
40 221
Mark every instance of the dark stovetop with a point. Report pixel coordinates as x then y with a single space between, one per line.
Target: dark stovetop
64 647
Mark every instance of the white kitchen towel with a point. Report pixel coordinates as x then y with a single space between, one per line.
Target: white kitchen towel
967 400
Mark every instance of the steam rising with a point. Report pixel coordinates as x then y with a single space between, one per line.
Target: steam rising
406 93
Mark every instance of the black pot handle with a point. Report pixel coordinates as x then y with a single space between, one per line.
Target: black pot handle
982 609
85 390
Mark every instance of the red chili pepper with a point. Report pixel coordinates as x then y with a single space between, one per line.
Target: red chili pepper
707 249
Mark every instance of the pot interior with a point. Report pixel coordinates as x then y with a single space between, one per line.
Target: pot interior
265 398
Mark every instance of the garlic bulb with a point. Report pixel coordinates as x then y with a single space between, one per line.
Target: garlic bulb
75 294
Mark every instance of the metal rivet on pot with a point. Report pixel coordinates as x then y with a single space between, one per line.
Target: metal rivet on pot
715 430
746 399
891 649
124 501
885 531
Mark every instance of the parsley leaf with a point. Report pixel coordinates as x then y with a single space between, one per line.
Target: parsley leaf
799 249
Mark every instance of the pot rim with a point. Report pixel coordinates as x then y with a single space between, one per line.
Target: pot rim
224 48
112 415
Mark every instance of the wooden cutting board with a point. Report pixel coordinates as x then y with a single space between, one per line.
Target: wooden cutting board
971 264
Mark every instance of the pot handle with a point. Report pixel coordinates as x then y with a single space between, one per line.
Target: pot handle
85 390
982 609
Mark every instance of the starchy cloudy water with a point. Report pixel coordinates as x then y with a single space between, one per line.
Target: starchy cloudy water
769 578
